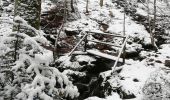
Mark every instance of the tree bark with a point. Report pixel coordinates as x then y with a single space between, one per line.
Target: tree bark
72 6
29 10
154 27
87 6
101 3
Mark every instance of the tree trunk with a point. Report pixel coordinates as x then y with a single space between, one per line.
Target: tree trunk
30 11
101 3
154 27
149 21
87 6
72 6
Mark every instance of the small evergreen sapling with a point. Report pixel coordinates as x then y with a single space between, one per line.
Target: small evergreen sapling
33 78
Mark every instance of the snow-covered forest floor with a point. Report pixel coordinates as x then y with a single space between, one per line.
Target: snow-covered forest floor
146 72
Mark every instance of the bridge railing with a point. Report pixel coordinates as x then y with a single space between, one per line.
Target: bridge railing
121 47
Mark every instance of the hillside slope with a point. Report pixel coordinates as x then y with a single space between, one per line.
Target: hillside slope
145 74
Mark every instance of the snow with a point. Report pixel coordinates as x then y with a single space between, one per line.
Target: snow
97 15
71 72
135 74
85 58
98 53
47 5
37 58
114 96
142 12
66 63
134 70
138 71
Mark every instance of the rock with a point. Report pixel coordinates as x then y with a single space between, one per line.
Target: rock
151 60
82 87
6 3
103 26
158 61
49 38
135 80
125 95
71 33
83 63
167 63
132 54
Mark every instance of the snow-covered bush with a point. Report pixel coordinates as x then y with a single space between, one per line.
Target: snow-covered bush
74 63
32 77
110 83
114 96
157 86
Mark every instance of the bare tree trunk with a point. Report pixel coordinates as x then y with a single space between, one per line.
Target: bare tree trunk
149 21
16 43
87 6
154 27
101 3
72 6
154 23
124 33
65 10
55 52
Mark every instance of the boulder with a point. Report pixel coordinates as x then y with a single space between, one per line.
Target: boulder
167 63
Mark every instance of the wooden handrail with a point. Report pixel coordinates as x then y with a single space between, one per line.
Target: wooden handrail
121 50
105 43
78 44
87 33
106 34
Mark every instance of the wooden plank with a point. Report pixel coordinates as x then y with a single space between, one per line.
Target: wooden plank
106 34
79 53
105 43
100 54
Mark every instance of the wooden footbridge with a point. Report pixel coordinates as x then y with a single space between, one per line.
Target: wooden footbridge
121 47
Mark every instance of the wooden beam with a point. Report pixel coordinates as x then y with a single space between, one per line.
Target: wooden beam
105 43
106 34
100 54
